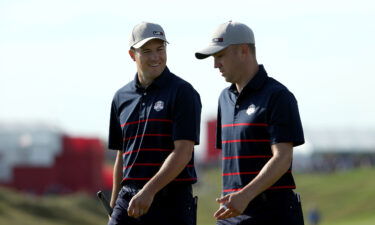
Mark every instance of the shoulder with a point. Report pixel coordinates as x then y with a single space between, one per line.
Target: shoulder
278 92
177 80
224 93
181 85
275 87
124 91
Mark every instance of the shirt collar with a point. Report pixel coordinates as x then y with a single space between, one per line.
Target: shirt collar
255 83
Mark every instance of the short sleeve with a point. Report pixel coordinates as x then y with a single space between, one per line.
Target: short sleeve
187 114
115 131
218 128
284 123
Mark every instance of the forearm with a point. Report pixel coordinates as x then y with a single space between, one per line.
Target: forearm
276 167
171 168
237 202
117 178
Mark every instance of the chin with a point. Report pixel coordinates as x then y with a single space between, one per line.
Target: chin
159 69
156 72
227 79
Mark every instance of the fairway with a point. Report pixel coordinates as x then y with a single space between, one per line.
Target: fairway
344 198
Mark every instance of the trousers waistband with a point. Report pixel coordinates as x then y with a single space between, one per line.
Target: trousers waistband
274 194
167 190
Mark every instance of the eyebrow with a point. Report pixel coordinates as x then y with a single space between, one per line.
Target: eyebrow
146 48
219 53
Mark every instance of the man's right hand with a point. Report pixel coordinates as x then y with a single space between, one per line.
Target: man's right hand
231 205
140 203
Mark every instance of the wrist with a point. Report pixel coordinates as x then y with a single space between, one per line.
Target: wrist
247 194
149 190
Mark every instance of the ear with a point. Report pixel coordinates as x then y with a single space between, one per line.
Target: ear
244 49
132 54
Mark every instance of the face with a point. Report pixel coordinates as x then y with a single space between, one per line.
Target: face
151 60
228 61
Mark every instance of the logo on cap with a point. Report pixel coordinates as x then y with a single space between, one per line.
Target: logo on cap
158 33
218 39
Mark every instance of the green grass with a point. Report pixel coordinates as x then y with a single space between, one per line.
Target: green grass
17 208
207 189
344 198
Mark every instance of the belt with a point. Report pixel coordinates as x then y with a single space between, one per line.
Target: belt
171 188
273 194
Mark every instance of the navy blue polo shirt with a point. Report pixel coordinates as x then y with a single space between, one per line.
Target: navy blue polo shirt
264 113
144 124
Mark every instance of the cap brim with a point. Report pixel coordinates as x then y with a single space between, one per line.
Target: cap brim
144 41
210 50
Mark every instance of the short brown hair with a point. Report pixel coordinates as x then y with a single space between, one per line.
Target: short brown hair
252 48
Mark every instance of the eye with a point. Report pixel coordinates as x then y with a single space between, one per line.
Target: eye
218 56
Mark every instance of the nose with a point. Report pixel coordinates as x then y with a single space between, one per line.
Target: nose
154 56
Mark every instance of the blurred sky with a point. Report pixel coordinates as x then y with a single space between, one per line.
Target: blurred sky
62 61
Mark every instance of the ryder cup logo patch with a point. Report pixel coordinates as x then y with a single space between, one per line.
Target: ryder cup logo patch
159 105
250 110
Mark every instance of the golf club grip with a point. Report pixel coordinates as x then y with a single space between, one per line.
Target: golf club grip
105 202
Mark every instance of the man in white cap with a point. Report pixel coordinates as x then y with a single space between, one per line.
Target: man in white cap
258 124
154 125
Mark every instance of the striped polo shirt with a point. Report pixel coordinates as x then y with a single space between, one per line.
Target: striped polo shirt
264 113
144 123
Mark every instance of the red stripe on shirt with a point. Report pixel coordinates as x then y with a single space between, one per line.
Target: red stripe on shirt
147 135
270 188
143 164
148 120
246 140
247 157
148 178
150 164
148 149
245 124
134 178
230 190
238 173
246 173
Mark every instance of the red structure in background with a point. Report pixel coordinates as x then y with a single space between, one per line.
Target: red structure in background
74 163
212 154
78 167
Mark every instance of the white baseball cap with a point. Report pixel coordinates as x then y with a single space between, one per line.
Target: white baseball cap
226 34
145 32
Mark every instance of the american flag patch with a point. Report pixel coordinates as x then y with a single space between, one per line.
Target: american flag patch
218 39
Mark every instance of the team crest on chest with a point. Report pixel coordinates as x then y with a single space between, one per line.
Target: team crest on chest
159 105
251 109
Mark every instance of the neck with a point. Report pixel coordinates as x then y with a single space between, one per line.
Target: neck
248 75
144 81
